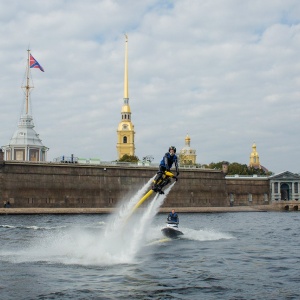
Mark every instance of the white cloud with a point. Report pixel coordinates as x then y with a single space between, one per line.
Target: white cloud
226 72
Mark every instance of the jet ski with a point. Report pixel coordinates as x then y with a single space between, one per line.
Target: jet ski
171 230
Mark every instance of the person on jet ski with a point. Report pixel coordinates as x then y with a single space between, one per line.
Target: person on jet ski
173 217
166 163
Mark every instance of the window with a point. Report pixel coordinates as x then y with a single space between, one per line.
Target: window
296 188
19 154
276 187
125 139
34 155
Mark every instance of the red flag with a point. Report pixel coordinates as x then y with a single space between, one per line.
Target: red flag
35 64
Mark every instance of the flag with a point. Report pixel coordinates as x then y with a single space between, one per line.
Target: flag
35 64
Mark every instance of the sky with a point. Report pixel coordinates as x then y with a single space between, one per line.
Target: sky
226 72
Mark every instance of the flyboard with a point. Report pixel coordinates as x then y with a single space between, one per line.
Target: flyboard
160 184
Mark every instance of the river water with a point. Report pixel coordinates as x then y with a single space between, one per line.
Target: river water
254 255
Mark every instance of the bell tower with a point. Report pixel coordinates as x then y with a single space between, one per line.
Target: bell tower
125 132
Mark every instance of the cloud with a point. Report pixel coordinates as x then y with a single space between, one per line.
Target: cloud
226 72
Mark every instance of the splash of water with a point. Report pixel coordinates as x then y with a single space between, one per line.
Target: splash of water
116 243
139 233
123 211
133 233
205 235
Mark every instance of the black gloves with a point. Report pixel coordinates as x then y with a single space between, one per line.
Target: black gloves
177 173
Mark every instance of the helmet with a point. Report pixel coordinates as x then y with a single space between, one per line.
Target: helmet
172 148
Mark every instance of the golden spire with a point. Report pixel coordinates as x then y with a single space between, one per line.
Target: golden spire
126 94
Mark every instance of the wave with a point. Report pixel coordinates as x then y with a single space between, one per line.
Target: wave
155 235
205 235
32 227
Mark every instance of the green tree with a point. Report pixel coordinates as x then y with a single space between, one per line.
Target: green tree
129 158
217 166
236 168
239 169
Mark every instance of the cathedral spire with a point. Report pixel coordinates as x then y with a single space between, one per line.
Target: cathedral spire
126 94
125 130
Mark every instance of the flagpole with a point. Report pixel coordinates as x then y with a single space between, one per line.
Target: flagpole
27 83
27 87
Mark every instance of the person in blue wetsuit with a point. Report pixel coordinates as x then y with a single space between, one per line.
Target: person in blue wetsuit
173 217
166 164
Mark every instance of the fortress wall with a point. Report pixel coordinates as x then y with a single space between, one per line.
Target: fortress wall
61 185
241 188
27 184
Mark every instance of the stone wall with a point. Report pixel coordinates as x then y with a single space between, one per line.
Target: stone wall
27 184
248 191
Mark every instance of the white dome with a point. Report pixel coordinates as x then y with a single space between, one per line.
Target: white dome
25 134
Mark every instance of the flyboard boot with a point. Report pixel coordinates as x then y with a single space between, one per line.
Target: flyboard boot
155 187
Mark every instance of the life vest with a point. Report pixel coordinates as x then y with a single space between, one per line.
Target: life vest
169 159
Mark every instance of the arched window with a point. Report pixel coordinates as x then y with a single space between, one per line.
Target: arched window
125 139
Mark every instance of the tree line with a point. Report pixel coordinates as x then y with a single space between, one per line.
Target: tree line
233 168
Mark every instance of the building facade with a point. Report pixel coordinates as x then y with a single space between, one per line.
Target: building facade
187 155
285 187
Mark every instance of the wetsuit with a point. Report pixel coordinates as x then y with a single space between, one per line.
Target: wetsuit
165 164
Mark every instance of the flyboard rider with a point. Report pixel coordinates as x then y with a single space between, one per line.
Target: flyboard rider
166 164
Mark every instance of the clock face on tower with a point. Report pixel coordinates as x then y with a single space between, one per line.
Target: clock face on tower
125 127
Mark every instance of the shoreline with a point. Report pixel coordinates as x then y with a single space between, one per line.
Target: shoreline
37 210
